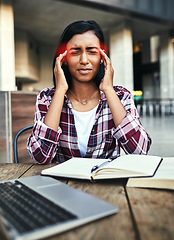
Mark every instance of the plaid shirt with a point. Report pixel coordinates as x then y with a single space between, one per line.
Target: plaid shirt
46 145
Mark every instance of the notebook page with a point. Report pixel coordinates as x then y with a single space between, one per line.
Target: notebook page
75 167
136 163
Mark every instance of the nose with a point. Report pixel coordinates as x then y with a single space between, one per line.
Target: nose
84 58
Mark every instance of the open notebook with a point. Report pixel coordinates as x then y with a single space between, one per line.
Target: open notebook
126 166
37 207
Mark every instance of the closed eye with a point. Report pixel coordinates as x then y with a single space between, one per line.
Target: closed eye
75 52
92 50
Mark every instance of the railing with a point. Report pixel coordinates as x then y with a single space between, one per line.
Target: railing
155 107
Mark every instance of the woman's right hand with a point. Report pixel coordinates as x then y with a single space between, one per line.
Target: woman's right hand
52 117
61 82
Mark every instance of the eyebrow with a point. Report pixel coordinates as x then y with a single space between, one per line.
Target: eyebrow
92 48
78 48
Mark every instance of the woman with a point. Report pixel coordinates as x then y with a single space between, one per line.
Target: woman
84 115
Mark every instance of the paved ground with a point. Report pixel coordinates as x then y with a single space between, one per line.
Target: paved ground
161 130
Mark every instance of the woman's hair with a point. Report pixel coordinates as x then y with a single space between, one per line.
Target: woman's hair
78 27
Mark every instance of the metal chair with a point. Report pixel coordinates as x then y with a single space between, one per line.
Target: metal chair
15 147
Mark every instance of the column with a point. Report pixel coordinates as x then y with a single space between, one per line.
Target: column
7 51
166 66
121 54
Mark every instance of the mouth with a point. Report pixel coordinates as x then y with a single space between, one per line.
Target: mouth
84 71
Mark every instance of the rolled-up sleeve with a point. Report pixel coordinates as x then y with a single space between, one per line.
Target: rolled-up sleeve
42 143
131 135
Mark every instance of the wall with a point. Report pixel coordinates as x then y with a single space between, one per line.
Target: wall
22 115
5 127
17 111
45 75
33 62
27 59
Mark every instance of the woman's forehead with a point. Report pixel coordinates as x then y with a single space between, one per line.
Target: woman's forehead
83 40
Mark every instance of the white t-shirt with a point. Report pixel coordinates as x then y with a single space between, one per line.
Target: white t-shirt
84 122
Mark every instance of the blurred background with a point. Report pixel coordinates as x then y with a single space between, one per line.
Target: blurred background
140 38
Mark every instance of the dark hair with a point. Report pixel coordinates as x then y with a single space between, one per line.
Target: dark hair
79 27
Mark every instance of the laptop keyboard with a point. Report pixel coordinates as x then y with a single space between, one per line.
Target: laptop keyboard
27 210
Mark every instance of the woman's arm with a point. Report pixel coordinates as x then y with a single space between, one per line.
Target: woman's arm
106 86
42 143
52 117
128 130
131 135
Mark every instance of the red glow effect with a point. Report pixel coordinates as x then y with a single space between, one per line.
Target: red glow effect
105 48
60 49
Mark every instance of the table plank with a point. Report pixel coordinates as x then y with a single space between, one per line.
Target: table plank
37 168
12 171
154 212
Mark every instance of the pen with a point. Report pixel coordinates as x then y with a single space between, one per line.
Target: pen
99 166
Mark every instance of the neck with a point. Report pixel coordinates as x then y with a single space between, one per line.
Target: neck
84 91
84 98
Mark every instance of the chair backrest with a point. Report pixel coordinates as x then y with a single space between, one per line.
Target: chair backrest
15 142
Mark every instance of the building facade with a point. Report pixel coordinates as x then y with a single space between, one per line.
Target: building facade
139 34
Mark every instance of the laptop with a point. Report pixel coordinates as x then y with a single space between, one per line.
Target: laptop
40 206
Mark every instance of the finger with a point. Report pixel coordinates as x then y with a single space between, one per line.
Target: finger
60 59
104 55
102 51
65 53
105 58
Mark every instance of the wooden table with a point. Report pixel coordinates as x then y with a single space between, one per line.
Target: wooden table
144 214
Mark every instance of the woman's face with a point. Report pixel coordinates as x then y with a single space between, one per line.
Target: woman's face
83 56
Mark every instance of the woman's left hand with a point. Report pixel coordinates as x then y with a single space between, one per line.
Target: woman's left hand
117 109
107 81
